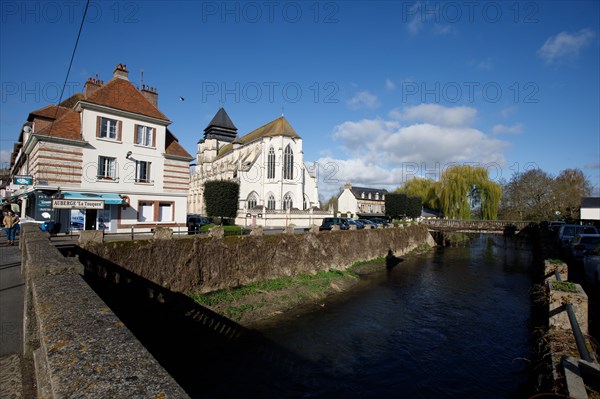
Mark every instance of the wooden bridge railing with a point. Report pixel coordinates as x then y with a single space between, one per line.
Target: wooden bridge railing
453 224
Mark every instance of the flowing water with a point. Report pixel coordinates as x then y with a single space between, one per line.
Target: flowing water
452 323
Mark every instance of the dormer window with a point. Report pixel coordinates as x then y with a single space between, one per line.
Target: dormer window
377 196
145 135
369 195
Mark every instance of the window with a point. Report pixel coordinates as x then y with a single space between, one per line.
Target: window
271 202
271 164
288 163
144 135
165 211
251 201
362 195
106 168
142 172
377 196
108 129
287 202
146 212
305 203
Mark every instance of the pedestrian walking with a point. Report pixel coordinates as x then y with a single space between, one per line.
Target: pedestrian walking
10 222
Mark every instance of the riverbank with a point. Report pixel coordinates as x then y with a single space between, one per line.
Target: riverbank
260 304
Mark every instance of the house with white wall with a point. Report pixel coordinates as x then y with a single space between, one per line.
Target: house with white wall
104 158
362 201
276 187
590 208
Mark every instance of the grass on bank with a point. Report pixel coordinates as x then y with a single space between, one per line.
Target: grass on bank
235 303
315 283
565 286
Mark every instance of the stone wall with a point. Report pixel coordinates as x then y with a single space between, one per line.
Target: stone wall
203 264
78 346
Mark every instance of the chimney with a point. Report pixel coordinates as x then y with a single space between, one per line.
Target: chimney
151 94
348 186
121 72
91 86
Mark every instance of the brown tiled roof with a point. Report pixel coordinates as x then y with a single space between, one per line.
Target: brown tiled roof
278 127
67 126
71 101
122 94
172 146
48 112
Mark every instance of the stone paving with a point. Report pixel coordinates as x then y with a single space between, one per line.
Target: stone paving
11 320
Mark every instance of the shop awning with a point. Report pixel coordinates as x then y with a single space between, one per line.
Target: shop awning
109 199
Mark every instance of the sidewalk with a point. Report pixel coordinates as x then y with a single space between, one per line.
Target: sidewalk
11 320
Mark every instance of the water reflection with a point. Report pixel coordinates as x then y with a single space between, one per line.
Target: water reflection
451 323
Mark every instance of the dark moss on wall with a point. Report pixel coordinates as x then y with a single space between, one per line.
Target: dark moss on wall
202 264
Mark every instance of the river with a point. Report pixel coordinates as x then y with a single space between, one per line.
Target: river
450 323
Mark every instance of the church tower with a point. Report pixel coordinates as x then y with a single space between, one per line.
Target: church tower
220 131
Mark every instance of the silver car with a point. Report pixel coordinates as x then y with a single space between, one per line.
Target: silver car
591 266
568 231
582 243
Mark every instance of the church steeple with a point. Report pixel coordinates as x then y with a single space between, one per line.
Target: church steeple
221 127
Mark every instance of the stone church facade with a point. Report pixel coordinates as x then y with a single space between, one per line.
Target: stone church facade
277 189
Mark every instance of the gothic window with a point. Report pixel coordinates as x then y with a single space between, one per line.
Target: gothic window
271 164
305 203
287 202
251 201
288 163
271 202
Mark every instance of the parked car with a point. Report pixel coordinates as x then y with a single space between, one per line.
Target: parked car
591 266
369 223
555 225
582 243
380 221
329 222
194 222
568 231
356 223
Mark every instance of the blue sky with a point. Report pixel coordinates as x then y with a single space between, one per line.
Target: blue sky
380 91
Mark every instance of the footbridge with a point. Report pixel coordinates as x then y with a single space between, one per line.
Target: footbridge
475 226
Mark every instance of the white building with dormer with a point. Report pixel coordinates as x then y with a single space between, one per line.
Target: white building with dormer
362 201
104 158
276 187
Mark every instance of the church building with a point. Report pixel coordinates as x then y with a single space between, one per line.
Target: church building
276 187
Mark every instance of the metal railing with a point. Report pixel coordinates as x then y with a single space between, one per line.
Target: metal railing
579 338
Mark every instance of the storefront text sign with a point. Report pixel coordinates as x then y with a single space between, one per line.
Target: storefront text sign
77 204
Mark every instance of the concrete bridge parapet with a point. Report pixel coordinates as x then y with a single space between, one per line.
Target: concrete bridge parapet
78 346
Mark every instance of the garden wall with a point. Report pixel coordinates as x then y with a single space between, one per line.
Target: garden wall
204 264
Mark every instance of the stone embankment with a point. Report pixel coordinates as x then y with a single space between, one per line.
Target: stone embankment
205 264
78 346
572 369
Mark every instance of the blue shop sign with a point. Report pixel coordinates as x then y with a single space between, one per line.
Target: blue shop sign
23 180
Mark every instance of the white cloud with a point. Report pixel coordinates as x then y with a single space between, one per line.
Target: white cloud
389 84
514 129
385 152
422 13
363 99
565 45
436 114
507 112
485 65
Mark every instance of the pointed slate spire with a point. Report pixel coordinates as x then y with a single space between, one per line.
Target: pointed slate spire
221 127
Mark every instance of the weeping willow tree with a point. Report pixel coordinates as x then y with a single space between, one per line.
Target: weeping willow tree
462 186
424 188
